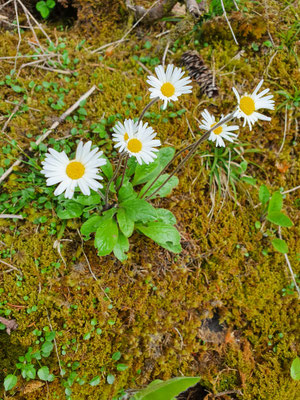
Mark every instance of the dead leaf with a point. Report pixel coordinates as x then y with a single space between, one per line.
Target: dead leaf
32 386
282 167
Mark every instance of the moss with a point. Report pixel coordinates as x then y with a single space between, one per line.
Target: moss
156 301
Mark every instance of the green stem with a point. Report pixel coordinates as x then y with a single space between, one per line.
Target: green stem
192 151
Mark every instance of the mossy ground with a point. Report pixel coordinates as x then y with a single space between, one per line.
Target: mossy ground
155 302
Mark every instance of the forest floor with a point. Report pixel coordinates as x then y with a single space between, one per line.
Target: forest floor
225 308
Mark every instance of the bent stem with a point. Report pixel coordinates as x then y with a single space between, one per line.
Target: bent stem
192 151
147 107
111 180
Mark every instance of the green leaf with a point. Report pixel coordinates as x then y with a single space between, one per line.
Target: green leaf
249 180
17 88
280 245
121 246
131 166
126 192
10 381
174 248
126 224
139 210
106 236
95 381
28 371
41 6
43 373
116 356
164 234
122 367
110 379
275 204
295 369
46 349
166 390
264 194
280 219
165 190
91 225
145 172
50 3
72 210
165 155
165 216
92 199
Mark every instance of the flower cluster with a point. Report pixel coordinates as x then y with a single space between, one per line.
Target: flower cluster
138 139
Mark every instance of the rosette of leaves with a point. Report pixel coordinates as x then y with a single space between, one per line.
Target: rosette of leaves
130 211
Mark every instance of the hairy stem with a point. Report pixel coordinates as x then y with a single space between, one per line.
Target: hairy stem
111 180
147 107
124 171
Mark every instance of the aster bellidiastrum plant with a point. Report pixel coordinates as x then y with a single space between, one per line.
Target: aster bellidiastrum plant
122 205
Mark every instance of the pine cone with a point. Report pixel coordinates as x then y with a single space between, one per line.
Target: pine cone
198 71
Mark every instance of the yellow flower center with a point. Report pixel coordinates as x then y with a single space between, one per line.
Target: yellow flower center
134 145
75 170
247 105
126 137
167 89
218 130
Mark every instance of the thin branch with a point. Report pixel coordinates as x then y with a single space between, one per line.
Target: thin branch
16 108
11 216
55 345
34 20
165 54
11 266
52 128
291 190
19 32
89 266
227 20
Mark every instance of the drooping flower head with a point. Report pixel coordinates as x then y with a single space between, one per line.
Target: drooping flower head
82 171
142 144
220 133
168 85
122 132
248 104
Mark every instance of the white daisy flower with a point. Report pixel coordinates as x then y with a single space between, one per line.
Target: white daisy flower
82 171
122 132
168 85
220 133
249 103
142 144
